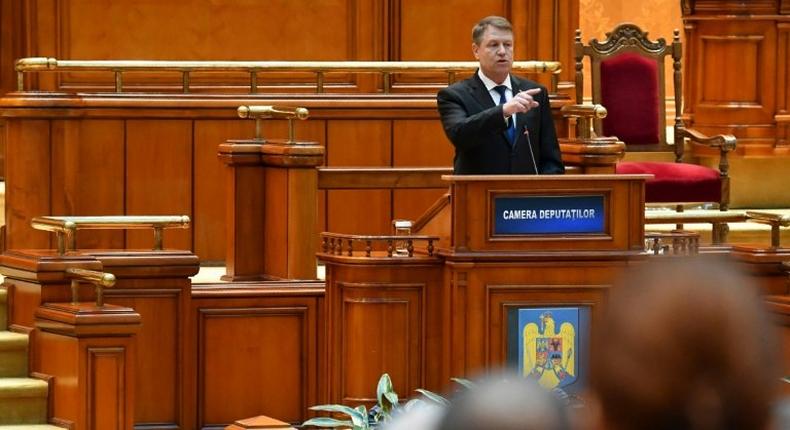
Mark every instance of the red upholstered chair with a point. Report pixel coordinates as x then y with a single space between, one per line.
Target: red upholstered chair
627 71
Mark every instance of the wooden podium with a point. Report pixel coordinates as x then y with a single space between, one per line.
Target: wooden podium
515 243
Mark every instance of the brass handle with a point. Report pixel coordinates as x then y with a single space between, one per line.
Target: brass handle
260 112
584 111
774 220
100 280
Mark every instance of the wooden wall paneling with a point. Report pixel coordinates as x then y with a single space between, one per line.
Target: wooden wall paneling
159 177
196 30
383 317
431 31
28 187
88 175
382 331
783 92
158 382
418 143
359 143
734 70
435 31
256 355
541 36
43 34
11 42
208 224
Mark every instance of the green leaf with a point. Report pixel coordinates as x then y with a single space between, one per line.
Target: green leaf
392 397
343 409
384 386
362 421
327 422
430 395
469 385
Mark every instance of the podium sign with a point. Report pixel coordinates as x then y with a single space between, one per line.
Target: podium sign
534 214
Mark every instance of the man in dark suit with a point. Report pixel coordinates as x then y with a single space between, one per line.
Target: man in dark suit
498 123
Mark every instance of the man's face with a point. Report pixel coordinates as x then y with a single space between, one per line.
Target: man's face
495 53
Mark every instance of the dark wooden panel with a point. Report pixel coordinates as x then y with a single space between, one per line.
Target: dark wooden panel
381 331
107 387
88 174
447 25
158 362
418 143
254 360
27 182
159 177
11 42
208 228
357 143
197 30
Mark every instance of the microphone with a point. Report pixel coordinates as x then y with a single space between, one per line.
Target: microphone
531 152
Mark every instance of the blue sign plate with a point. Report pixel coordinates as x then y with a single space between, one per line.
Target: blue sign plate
514 215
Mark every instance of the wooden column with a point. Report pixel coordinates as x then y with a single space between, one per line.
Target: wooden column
156 284
271 207
90 352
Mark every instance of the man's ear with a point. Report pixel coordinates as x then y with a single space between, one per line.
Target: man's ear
475 49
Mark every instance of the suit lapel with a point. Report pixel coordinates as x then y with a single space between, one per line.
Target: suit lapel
480 93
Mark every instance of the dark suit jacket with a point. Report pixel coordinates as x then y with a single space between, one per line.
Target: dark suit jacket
476 127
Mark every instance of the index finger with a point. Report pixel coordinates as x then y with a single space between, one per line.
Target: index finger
533 91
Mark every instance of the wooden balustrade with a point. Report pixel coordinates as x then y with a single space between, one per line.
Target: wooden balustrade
676 242
343 244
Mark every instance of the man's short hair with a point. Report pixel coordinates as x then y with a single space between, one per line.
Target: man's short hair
493 21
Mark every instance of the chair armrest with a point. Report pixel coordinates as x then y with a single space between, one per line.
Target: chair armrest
726 142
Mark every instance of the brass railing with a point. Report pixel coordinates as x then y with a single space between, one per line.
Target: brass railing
65 227
319 68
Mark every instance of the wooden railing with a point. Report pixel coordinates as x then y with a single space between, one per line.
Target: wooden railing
319 68
403 246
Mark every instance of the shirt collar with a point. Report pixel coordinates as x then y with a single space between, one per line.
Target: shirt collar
491 84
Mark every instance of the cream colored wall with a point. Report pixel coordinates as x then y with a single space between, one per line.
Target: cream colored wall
658 17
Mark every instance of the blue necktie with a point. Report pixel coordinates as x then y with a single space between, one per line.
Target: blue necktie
511 125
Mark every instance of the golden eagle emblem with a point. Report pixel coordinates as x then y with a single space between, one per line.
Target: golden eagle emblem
549 357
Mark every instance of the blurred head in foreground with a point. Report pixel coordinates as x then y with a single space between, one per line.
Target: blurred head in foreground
684 345
506 403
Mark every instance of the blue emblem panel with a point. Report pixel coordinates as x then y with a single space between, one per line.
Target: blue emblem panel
515 215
